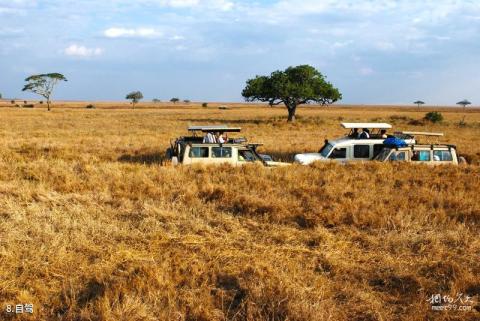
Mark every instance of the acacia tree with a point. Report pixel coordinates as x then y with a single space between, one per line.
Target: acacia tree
464 103
295 86
135 97
175 100
418 103
43 85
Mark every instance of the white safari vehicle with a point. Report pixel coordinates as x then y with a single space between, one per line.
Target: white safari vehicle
354 146
431 154
208 148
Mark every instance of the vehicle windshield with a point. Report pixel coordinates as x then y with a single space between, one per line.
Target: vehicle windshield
246 156
326 150
383 154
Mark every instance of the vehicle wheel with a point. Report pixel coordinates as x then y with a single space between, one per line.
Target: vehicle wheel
169 153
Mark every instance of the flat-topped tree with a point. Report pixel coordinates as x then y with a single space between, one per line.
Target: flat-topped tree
43 85
464 103
419 103
175 100
295 86
135 97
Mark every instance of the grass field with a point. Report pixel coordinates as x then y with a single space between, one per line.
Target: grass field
92 227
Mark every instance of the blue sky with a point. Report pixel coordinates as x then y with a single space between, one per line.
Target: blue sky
374 51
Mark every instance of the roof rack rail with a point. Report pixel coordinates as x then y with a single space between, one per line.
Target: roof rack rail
366 125
410 133
215 128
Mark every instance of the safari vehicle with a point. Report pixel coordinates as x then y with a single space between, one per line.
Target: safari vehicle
351 147
196 149
432 154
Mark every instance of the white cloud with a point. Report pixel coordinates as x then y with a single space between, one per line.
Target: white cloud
366 71
82 51
132 33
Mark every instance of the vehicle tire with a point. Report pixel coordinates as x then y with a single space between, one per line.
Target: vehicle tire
169 153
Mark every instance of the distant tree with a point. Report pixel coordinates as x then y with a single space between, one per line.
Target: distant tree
156 100
12 102
419 103
135 97
25 102
175 100
43 85
205 105
0 96
464 103
186 101
292 87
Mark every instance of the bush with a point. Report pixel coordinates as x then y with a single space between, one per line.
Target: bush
205 105
12 102
28 106
90 106
186 101
41 102
434 116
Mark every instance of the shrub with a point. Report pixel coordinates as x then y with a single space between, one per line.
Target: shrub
25 102
41 102
434 116
28 106
90 106
205 105
12 102
186 101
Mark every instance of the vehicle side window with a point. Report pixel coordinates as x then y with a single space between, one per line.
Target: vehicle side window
442 156
398 156
221 152
245 156
198 152
338 153
377 148
361 151
421 155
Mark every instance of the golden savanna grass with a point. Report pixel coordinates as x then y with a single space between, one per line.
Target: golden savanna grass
92 227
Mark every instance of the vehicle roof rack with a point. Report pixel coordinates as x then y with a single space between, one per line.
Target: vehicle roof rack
419 133
215 128
366 125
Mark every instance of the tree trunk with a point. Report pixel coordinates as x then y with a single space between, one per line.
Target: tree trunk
48 104
291 113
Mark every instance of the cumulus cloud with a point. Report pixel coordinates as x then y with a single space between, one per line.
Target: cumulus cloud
75 50
132 33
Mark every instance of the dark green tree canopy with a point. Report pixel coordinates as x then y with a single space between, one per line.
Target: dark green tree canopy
295 86
175 100
43 84
464 103
135 97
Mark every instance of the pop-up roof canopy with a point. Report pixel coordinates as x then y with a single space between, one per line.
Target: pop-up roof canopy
215 128
419 133
366 125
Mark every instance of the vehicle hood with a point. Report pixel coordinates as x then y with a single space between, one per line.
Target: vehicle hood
308 158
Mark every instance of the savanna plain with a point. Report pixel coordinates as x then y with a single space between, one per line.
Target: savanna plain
95 226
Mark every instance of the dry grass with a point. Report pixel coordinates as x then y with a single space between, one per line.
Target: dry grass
93 228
